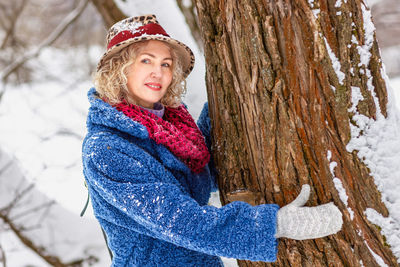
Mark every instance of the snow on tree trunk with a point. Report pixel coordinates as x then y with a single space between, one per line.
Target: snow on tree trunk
290 84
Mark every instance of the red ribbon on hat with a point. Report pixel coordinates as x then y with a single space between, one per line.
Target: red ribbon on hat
148 29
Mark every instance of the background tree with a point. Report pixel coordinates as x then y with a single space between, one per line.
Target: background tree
280 80
58 31
188 10
109 11
63 27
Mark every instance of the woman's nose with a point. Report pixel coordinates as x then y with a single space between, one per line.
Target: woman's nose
156 71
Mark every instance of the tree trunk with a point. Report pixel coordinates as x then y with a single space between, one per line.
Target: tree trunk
109 11
188 10
280 108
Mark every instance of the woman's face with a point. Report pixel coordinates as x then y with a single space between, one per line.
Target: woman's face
150 74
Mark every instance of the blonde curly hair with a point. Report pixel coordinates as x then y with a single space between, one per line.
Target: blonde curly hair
111 79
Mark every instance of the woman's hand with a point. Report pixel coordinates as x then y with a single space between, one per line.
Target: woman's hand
300 223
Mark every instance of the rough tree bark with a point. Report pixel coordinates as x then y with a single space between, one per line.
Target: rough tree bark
280 114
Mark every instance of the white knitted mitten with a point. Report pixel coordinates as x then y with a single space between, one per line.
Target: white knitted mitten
297 222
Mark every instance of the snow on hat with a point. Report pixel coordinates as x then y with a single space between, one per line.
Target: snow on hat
140 28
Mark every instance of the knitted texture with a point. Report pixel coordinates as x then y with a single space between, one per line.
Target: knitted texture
154 209
177 131
297 222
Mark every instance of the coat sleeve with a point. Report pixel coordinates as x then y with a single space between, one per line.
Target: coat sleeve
204 124
146 196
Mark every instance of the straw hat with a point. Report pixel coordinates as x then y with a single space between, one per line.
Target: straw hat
135 29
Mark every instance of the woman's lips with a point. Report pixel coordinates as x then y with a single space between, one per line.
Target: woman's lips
154 86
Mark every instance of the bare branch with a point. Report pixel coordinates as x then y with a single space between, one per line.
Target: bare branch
19 195
68 20
62 132
189 12
3 256
29 243
25 201
45 206
6 166
13 21
53 260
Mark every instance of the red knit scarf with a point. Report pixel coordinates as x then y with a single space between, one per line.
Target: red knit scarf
176 130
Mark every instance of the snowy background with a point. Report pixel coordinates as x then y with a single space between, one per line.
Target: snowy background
42 124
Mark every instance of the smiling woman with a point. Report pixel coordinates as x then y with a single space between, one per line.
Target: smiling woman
150 75
119 76
146 164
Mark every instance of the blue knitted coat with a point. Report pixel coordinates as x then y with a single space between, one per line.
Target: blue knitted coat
153 208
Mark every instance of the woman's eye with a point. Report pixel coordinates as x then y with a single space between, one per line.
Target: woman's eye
145 60
166 65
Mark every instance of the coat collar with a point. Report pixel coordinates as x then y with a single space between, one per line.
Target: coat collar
103 114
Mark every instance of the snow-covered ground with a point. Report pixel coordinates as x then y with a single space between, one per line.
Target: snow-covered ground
42 125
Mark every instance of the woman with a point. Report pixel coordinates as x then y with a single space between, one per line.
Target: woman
146 165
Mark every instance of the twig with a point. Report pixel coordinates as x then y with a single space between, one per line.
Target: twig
22 193
13 18
17 198
40 251
6 166
46 205
70 18
3 256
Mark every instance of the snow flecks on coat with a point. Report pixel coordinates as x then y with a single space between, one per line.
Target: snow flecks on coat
153 208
